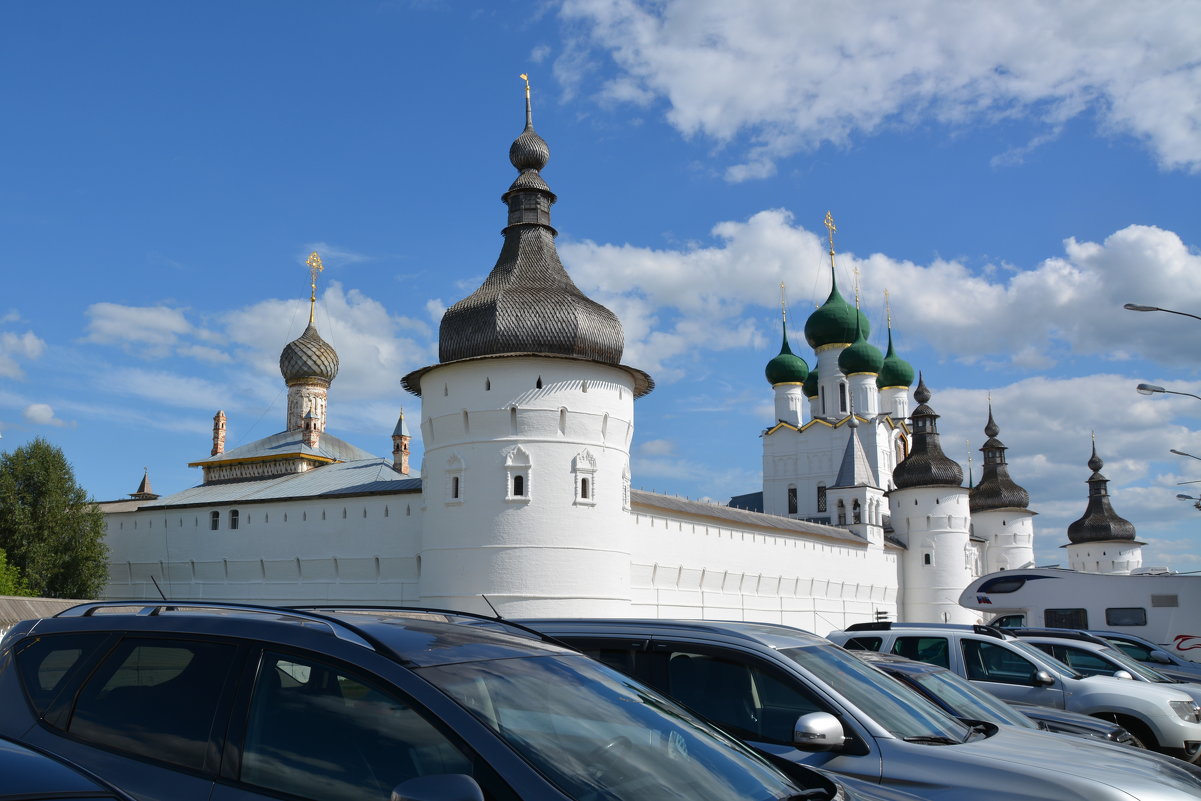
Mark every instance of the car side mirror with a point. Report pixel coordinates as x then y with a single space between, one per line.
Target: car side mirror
1160 658
1042 678
818 731
1123 674
439 787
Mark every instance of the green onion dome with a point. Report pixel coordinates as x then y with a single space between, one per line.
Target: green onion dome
787 367
810 387
895 371
861 357
835 322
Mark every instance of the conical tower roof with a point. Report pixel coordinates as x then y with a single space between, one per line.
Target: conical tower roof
926 465
996 489
1100 522
528 304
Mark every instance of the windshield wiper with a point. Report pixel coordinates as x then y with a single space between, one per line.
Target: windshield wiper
932 739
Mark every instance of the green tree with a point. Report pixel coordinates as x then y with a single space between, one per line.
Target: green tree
11 582
50 530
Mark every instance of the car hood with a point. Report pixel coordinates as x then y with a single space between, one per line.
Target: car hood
1142 774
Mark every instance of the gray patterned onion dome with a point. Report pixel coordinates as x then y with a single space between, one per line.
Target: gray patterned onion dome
861 357
787 367
996 490
528 304
895 371
308 357
835 322
926 465
1100 522
529 151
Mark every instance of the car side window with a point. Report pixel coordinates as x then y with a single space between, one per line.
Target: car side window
1083 661
48 664
923 649
863 643
749 699
988 662
321 732
156 699
1134 650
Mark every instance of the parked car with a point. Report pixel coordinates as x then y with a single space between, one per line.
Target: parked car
1096 656
1161 718
794 694
229 702
1155 656
967 701
27 774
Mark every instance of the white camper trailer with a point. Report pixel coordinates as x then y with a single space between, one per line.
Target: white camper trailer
1162 607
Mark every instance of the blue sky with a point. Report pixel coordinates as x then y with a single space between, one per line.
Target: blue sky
1010 173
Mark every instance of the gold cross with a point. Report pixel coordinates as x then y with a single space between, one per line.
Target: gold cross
783 304
315 266
830 225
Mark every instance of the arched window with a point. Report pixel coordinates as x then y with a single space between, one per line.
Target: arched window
214 521
583 466
842 513
518 474
518 485
454 487
792 504
585 490
856 512
233 519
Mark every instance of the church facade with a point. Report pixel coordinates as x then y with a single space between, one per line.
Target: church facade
524 504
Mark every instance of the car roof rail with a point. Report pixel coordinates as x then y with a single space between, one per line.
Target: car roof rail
414 611
1063 634
873 625
340 629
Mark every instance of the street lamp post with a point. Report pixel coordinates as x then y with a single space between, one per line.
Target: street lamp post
1152 389
1196 501
1140 308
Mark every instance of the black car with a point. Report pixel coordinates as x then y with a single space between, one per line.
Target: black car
225 702
30 775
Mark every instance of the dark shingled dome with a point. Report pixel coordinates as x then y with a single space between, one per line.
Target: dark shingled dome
307 358
1100 522
528 304
996 489
926 465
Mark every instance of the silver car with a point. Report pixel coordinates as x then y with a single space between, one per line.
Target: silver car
796 695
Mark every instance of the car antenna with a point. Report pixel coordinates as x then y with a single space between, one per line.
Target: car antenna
490 606
160 589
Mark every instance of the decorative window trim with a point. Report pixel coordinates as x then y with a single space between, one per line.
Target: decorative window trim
583 468
517 476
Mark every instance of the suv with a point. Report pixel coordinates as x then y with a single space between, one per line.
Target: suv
1155 656
966 701
231 702
796 695
1161 718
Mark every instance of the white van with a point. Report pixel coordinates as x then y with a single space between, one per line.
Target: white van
1164 608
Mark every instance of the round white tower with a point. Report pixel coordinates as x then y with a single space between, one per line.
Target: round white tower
930 512
526 422
999 509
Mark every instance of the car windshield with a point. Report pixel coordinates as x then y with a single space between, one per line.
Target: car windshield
1134 667
1045 660
966 699
900 710
600 736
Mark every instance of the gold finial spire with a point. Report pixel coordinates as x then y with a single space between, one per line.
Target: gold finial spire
888 309
829 223
856 271
783 304
315 266
529 113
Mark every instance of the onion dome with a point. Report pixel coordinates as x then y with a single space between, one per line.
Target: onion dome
787 367
996 489
926 465
1100 522
835 321
895 371
810 388
308 358
528 304
862 356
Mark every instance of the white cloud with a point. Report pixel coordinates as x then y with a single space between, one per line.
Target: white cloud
41 414
790 76
676 304
18 346
148 330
